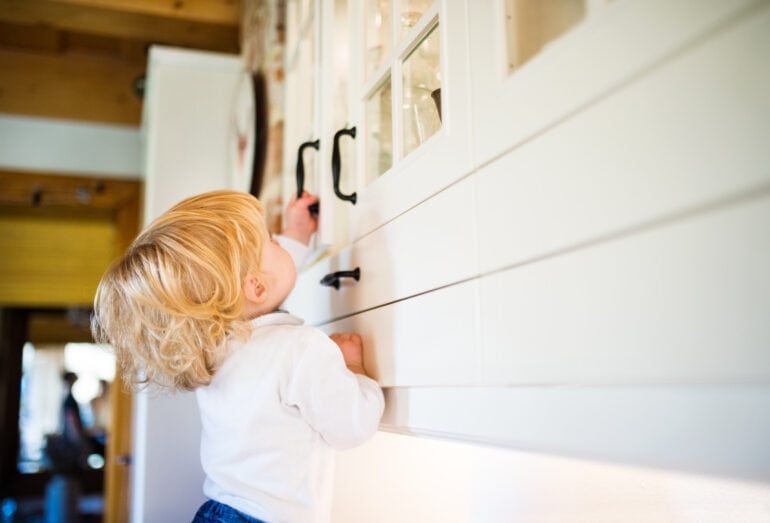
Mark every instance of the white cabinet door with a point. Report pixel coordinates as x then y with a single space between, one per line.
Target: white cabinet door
536 63
338 181
698 139
321 72
302 121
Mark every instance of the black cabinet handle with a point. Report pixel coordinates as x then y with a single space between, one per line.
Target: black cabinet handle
336 164
301 172
333 279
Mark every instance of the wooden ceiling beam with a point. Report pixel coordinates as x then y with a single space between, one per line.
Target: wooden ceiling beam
40 191
76 16
69 86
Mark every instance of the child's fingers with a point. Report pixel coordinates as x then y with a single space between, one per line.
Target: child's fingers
308 199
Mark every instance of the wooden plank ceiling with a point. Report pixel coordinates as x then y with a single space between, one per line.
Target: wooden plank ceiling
80 59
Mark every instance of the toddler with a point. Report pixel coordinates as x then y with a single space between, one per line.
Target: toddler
194 305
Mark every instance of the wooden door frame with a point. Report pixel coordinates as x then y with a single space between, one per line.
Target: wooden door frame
13 335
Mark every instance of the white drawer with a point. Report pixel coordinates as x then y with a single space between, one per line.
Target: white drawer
684 303
430 339
430 246
689 134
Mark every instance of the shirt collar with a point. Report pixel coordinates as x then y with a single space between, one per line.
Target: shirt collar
279 317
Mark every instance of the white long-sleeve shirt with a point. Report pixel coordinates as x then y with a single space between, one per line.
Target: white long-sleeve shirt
273 415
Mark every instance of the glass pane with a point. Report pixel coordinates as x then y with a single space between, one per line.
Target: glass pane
531 24
377 34
379 137
411 12
421 107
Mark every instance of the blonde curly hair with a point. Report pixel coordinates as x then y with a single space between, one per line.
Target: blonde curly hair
171 303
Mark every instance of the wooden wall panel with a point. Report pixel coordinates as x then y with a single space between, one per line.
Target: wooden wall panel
52 262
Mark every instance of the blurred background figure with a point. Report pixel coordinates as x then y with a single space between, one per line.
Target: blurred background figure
99 419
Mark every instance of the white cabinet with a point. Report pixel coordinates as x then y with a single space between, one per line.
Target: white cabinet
686 136
582 233
537 63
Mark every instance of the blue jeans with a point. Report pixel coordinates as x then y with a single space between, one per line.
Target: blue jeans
216 512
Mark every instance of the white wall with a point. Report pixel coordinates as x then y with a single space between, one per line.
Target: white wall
44 144
185 129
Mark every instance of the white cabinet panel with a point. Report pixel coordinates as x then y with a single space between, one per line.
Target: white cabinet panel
432 245
684 303
691 133
428 480
595 58
699 428
430 339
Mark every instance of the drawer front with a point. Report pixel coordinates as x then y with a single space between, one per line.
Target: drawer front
686 136
684 303
430 246
430 339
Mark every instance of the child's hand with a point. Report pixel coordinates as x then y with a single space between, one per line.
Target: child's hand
300 224
352 350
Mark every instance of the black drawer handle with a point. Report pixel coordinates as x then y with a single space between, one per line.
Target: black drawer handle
301 172
337 164
333 278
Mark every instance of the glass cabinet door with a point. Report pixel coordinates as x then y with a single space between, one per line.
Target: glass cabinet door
412 105
415 63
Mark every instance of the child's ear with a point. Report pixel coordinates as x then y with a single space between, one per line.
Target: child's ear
254 290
